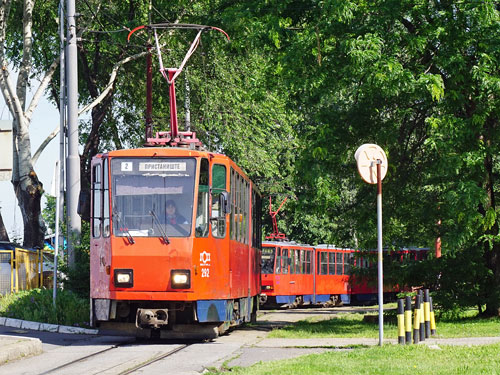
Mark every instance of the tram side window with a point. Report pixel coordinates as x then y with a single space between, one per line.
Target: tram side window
297 262
302 262
105 224
218 219
348 262
292 261
284 262
96 207
278 261
268 260
202 208
256 219
331 263
339 263
324 263
308 262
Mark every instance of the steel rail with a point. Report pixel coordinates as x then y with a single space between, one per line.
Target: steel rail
153 360
81 359
125 372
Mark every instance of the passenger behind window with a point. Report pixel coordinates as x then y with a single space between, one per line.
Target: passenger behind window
172 216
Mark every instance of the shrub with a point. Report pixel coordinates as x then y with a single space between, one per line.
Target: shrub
37 305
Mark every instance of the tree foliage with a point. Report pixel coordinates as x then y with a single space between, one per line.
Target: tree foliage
301 85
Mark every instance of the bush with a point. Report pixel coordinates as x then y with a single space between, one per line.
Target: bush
37 305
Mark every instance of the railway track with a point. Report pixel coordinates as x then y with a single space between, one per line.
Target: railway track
119 359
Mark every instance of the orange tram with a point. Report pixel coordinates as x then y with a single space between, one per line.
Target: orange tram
175 232
157 273
294 274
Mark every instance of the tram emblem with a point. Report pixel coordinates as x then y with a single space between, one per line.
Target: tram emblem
205 258
205 263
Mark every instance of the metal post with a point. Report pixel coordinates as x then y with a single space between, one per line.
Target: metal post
56 245
62 151
149 95
379 262
187 103
173 105
73 163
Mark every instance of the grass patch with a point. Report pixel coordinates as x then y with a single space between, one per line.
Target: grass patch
389 359
36 305
352 325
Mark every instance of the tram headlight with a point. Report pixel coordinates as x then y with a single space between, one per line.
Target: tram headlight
180 279
124 278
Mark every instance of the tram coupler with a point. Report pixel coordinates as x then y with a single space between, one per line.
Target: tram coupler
151 318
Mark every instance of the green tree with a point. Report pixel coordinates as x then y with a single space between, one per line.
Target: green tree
418 78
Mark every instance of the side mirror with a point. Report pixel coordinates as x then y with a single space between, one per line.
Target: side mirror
83 208
225 202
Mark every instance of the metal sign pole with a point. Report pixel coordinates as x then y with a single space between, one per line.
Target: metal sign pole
380 258
371 161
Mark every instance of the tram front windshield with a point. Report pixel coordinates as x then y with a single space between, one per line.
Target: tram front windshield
268 260
152 197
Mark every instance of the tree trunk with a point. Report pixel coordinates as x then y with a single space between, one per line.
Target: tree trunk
492 254
29 200
4 236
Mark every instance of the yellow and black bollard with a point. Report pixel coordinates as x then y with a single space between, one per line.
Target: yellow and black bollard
421 315
401 322
427 314
433 319
416 321
408 320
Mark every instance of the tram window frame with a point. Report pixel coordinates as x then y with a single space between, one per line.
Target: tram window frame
331 263
324 263
348 262
284 262
202 206
298 269
97 201
106 228
339 262
308 262
277 263
218 221
256 219
292 261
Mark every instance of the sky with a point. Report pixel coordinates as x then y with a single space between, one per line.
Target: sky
45 118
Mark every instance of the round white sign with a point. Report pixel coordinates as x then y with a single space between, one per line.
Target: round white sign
366 156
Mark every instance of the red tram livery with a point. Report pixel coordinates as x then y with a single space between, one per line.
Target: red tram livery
175 242
295 274
155 272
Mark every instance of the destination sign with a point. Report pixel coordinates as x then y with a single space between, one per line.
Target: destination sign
163 167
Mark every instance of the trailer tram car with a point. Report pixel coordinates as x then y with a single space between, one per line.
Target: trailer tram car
294 274
191 275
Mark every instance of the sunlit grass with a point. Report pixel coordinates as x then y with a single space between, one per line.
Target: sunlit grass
389 359
353 325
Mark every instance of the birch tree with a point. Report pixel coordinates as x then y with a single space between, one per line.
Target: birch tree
28 188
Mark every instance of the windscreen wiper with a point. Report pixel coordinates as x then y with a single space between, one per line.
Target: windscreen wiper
158 224
123 228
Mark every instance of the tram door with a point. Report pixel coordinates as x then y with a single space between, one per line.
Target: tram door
100 251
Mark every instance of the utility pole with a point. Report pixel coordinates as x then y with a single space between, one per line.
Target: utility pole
73 161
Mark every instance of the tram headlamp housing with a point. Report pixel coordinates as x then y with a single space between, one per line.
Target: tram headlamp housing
180 279
124 278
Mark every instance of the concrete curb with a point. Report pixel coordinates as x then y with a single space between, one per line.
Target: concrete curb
18 347
35 326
